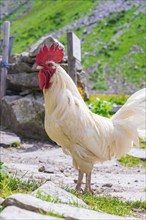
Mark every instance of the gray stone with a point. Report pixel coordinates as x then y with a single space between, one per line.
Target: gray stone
14 58
20 67
138 153
12 212
130 196
46 169
34 68
82 84
24 57
31 203
48 40
64 66
107 185
49 188
24 116
23 80
8 139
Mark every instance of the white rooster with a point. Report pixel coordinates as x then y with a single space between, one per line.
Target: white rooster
87 137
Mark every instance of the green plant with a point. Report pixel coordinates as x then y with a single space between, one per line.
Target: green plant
3 171
130 161
109 204
10 184
41 194
15 144
101 107
54 214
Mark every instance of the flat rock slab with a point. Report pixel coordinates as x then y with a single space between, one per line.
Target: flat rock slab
138 153
48 40
31 203
130 196
7 138
56 193
12 212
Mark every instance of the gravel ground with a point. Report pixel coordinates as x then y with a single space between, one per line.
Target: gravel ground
48 162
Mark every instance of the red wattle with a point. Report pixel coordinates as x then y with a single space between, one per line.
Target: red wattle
45 75
42 79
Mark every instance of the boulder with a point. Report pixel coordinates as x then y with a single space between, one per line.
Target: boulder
23 80
20 67
48 40
24 57
24 116
12 212
138 153
51 189
9 139
31 203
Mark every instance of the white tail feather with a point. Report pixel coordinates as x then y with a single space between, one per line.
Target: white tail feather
128 121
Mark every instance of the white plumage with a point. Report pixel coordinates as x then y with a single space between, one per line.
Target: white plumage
87 137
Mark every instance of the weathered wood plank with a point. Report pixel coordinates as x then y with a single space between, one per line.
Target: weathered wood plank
74 54
5 56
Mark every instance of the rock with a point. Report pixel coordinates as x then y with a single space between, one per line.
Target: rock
130 196
23 80
115 109
8 139
20 67
46 169
34 68
82 85
79 66
25 92
24 116
31 203
14 58
48 40
138 153
12 212
24 57
49 188
107 185
64 66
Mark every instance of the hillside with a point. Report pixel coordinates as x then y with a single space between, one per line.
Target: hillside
112 35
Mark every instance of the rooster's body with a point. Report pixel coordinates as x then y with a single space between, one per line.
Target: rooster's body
87 137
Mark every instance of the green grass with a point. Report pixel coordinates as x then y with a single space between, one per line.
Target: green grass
130 161
117 45
41 194
45 18
118 52
111 205
10 184
105 203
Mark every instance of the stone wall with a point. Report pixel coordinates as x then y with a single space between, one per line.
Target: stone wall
22 108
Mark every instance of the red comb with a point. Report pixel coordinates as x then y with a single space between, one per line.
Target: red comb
54 53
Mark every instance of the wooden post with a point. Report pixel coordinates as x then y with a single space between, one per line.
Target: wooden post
5 55
74 54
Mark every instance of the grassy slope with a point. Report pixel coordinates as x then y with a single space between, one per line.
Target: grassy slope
44 17
117 42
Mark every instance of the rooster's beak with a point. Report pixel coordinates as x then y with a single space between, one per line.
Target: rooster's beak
39 67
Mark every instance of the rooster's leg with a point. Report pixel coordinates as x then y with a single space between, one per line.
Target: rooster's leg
88 183
79 182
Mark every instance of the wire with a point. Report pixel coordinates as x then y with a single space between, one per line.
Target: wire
5 65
